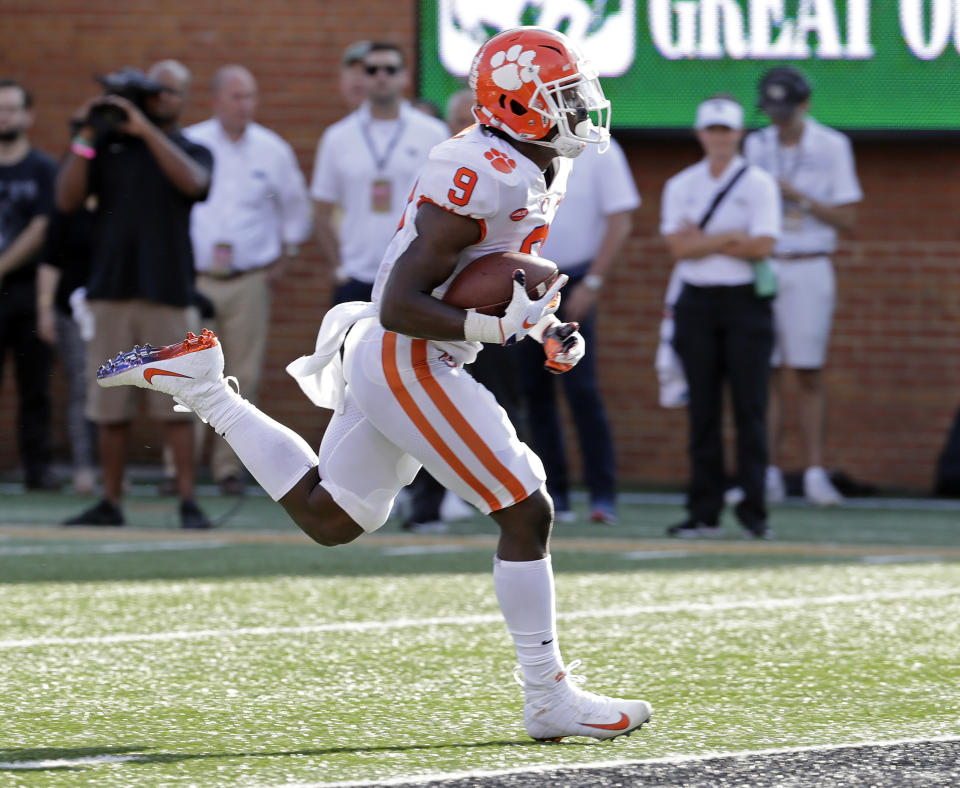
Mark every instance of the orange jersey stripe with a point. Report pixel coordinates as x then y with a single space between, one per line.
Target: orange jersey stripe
410 407
460 425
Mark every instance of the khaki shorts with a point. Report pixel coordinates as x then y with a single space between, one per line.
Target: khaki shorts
119 325
803 312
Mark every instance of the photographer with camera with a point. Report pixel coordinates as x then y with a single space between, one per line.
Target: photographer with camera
128 150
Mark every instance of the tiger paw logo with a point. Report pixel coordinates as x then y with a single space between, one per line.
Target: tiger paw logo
500 161
513 68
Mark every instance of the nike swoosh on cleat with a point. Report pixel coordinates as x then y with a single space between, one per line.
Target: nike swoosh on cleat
623 722
528 325
148 374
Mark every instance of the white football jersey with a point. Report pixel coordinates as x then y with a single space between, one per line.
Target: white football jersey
478 174
406 402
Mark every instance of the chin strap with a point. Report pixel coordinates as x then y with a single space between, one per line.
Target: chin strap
564 146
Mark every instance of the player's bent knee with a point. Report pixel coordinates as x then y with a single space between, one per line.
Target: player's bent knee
327 529
534 513
312 508
331 534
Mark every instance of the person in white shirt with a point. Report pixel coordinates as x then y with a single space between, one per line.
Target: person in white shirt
814 167
720 218
586 240
245 234
366 164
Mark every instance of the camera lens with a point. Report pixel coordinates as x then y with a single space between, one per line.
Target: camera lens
105 117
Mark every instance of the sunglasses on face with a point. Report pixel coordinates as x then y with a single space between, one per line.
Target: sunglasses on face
386 69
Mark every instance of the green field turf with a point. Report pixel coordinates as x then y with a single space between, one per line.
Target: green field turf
247 656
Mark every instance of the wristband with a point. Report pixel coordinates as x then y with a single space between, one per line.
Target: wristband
83 148
548 321
483 328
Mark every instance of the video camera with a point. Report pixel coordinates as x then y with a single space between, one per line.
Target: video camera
130 83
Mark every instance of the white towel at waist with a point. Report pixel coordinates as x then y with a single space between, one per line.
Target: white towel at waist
320 375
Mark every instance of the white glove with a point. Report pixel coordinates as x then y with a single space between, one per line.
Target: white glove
564 346
521 316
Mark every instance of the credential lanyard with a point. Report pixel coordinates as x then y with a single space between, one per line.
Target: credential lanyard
381 161
780 160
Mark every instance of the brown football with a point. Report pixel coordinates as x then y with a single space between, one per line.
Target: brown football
486 284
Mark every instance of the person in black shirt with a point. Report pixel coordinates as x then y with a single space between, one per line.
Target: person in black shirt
146 176
61 284
26 199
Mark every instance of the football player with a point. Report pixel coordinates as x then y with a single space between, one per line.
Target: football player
392 369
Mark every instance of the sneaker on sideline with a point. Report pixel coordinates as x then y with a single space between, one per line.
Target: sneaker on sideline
192 516
758 530
564 516
43 480
818 489
430 527
560 708
691 529
775 488
101 513
603 513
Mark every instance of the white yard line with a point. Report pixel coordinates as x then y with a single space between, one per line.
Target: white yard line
573 767
906 558
60 763
650 555
107 548
490 618
423 549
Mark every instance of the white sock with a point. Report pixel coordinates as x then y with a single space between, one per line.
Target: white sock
274 454
526 595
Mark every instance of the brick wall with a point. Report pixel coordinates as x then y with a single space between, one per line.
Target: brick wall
893 376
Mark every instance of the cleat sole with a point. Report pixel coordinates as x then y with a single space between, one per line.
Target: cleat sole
556 739
147 354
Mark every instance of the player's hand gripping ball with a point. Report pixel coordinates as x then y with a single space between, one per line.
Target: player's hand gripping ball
486 284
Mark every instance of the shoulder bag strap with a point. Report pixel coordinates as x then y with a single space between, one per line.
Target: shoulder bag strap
720 195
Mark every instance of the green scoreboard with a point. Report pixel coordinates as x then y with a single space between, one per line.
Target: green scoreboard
890 65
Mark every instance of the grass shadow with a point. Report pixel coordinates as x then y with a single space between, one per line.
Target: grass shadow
58 759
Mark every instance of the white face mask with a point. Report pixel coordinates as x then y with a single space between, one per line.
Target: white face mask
577 108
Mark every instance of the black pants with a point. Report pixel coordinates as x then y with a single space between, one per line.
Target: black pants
32 363
352 290
586 408
725 334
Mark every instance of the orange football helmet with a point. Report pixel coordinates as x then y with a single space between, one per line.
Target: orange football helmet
533 84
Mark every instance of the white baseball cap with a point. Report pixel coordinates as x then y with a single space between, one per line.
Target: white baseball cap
719 112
